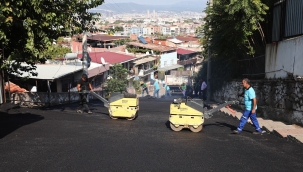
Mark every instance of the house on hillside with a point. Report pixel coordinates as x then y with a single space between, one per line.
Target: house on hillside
61 76
188 59
139 65
167 56
102 40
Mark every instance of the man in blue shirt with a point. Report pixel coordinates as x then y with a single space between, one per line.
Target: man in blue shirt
167 90
156 88
250 102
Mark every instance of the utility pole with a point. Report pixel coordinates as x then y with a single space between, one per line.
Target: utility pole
84 53
209 64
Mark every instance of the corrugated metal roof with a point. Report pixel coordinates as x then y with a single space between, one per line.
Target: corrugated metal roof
109 57
52 71
176 41
148 59
160 48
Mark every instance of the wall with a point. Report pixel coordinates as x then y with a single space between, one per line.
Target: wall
277 99
284 59
168 58
44 99
176 80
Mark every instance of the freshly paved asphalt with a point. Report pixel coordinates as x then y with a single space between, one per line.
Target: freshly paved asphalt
58 139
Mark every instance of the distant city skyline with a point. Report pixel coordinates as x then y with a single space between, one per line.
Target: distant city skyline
155 2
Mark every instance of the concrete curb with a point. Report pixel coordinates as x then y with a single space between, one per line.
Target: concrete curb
289 132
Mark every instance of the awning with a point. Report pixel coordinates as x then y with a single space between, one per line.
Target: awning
148 59
166 68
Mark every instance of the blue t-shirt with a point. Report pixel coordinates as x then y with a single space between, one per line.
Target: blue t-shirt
156 85
166 87
249 95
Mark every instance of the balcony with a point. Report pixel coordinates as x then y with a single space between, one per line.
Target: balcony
187 62
141 72
148 71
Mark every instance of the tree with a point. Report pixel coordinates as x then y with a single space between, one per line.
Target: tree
118 81
233 30
29 27
57 52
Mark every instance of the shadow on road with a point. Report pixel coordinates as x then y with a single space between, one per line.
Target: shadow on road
10 122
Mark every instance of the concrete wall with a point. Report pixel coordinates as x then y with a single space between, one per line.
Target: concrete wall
176 80
277 100
168 58
45 99
284 59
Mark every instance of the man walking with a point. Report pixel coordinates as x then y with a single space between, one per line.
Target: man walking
203 90
156 88
250 102
144 88
83 87
167 90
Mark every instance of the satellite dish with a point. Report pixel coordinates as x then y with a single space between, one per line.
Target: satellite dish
102 60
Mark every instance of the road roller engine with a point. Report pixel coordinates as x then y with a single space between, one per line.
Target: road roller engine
190 113
120 105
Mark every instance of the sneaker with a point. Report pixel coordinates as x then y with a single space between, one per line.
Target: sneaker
236 132
89 112
259 132
79 111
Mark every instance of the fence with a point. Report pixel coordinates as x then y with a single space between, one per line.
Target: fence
253 68
287 19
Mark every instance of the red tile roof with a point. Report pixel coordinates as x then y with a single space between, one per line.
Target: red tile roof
109 57
184 51
157 47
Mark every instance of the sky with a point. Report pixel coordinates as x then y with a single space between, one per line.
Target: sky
155 2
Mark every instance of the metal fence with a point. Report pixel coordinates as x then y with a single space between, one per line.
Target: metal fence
287 19
253 68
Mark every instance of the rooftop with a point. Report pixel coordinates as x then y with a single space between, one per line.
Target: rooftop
160 48
109 57
102 37
184 51
186 38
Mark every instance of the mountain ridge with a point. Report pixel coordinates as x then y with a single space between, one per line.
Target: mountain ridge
129 7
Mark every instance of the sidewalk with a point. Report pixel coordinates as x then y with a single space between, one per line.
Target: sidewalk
289 132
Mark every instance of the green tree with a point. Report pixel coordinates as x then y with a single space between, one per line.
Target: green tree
28 28
57 51
118 81
233 30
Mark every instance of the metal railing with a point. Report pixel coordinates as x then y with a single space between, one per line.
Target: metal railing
186 62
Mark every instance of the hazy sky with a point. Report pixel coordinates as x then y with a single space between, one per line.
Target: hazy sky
155 2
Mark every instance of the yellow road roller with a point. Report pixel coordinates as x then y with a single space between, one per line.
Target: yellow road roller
121 105
190 113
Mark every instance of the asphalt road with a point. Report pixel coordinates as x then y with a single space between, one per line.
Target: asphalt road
58 139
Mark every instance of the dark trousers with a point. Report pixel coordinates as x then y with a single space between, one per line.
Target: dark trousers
83 102
204 94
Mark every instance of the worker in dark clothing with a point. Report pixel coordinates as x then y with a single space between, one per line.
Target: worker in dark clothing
83 87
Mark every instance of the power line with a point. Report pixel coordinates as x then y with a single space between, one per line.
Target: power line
118 6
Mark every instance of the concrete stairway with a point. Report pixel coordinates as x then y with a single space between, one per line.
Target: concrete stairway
291 132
